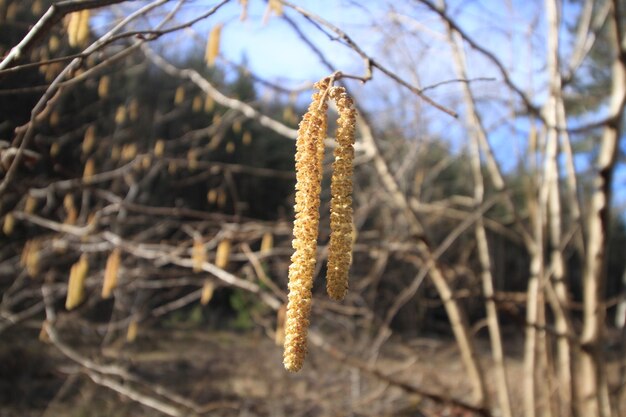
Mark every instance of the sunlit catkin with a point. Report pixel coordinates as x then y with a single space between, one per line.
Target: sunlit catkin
213 45
71 214
103 86
223 253
8 225
196 104
89 171
120 115
131 332
198 255
31 254
179 96
305 229
89 140
76 283
340 247
207 292
110 273
159 147
267 242
30 204
78 28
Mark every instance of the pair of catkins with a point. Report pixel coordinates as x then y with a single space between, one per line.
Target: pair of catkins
309 157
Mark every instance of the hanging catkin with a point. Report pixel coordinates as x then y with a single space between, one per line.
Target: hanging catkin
305 229
76 283
110 273
340 246
213 45
309 157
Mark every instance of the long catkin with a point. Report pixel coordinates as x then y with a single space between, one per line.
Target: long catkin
340 246
305 229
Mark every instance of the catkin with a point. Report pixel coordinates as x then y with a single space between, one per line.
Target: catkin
88 140
223 253
89 171
30 257
179 95
267 242
198 255
110 273
305 229
207 292
78 28
71 214
30 204
76 283
103 86
340 246
213 45
8 225
131 332
159 147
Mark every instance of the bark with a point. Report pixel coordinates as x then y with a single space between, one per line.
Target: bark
476 128
593 390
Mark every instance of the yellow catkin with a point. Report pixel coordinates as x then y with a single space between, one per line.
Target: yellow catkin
207 292
179 95
30 257
110 273
54 149
71 214
211 196
83 28
209 104
89 171
146 161
78 28
103 86
246 139
12 11
131 332
276 6
89 139
237 127
340 246
213 45
305 229
8 225
30 204
53 43
120 115
129 151
217 119
192 159
159 148
223 253
198 255
279 336
196 104
267 242
230 147
133 109
76 283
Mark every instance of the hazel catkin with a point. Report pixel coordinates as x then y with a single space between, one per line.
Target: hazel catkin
305 228
340 246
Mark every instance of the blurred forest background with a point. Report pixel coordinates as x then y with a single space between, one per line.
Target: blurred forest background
147 192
